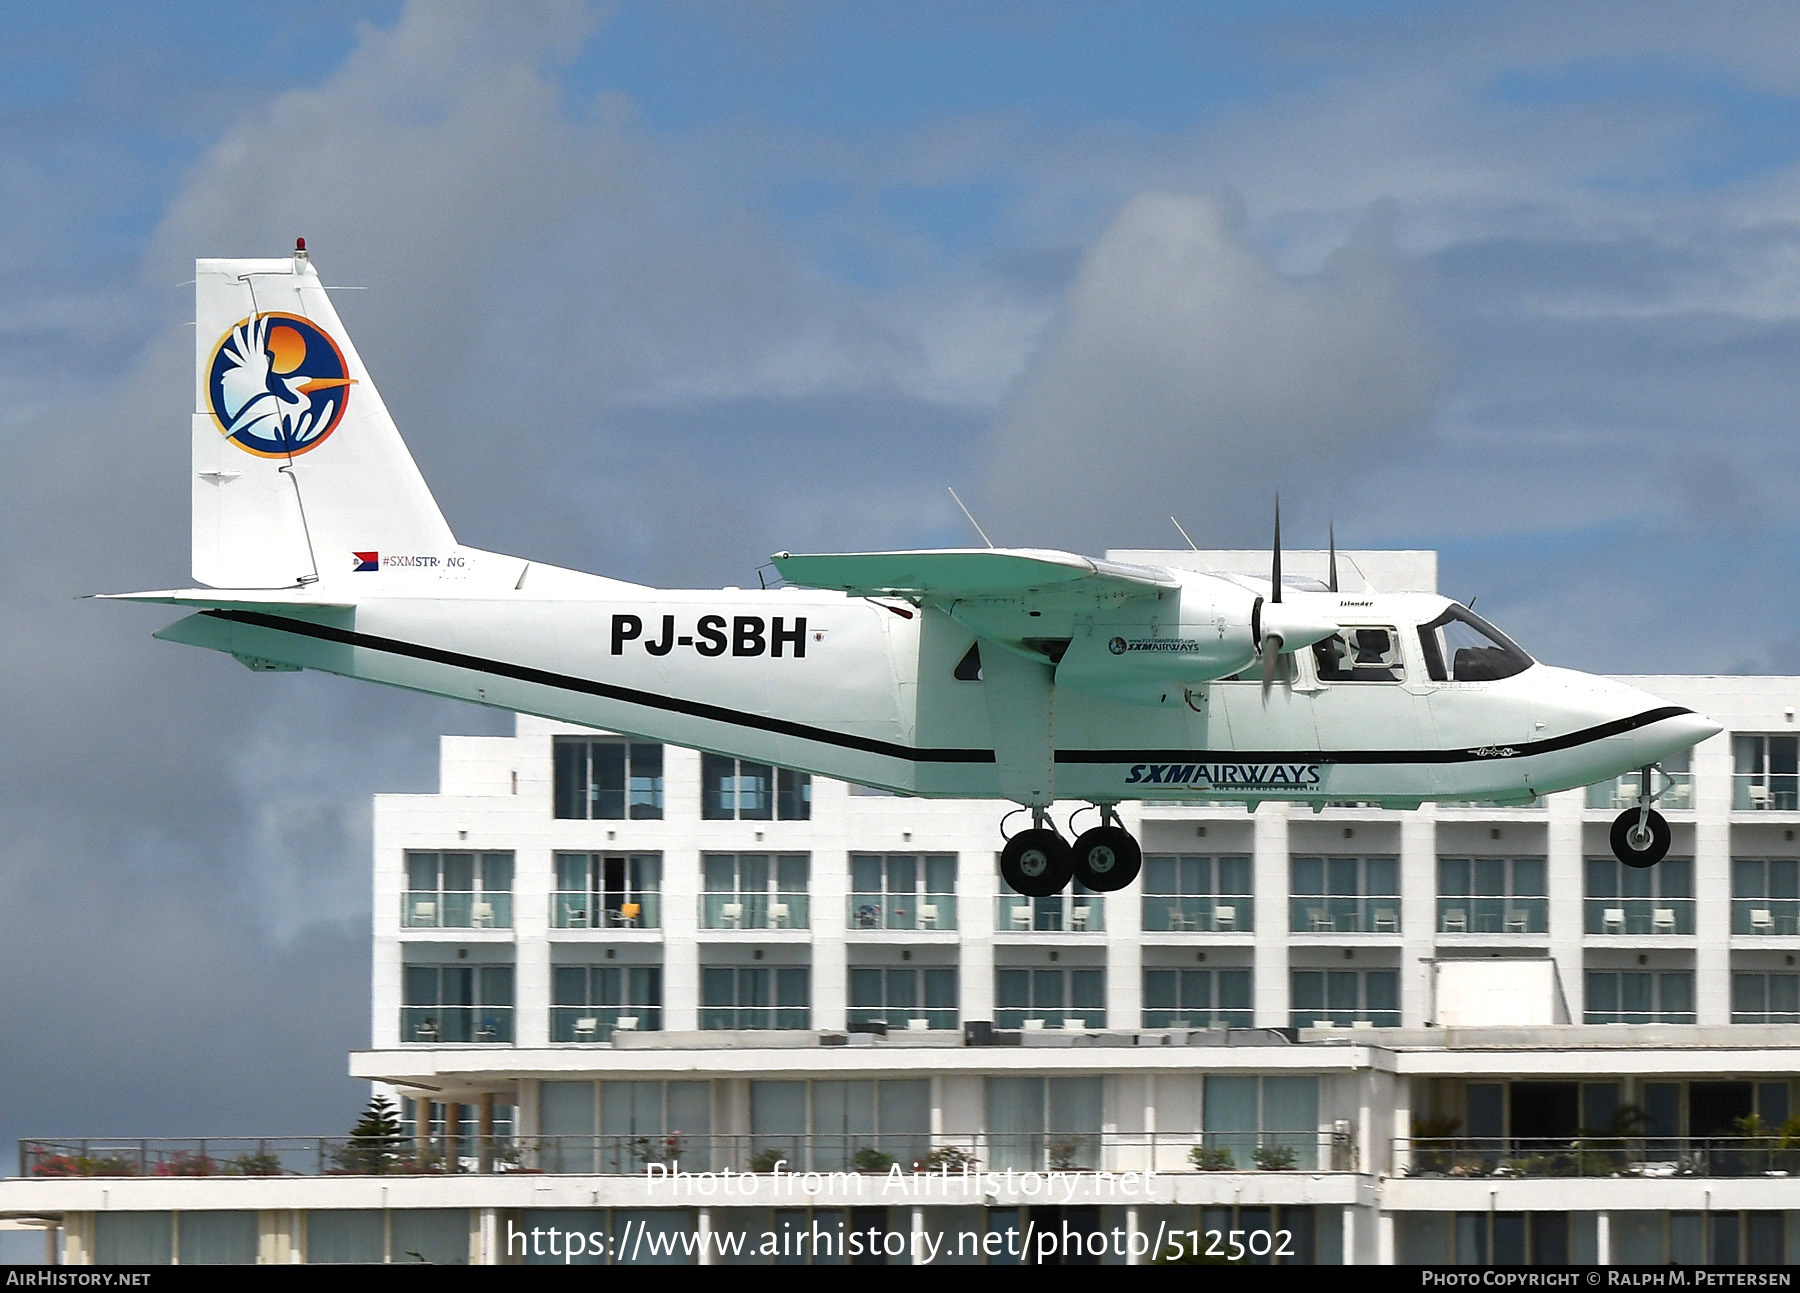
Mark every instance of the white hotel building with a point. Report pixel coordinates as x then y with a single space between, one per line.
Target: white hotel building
1461 1034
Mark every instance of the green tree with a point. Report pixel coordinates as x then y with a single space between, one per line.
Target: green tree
375 1143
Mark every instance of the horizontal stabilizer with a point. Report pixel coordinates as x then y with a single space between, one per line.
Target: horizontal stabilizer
972 572
230 599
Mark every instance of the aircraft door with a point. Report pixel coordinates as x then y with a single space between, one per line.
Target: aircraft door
1369 696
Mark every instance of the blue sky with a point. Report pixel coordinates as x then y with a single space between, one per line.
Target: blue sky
657 289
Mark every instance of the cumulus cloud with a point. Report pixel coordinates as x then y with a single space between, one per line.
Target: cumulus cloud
1187 377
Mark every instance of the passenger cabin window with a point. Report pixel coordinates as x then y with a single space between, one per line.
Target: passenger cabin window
1360 655
1460 646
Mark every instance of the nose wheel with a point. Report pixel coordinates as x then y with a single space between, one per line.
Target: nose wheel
1039 863
1640 836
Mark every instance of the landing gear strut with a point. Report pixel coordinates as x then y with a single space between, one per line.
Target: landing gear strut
1037 862
1106 857
1640 836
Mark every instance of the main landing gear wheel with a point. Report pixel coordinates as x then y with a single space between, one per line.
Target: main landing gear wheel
1107 858
1640 844
1036 862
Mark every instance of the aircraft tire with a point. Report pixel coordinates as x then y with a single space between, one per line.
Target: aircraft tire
1657 847
1107 858
1036 863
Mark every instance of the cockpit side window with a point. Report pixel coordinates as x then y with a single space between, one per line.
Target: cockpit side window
1460 646
1360 654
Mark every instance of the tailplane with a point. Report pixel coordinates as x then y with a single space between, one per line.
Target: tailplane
300 475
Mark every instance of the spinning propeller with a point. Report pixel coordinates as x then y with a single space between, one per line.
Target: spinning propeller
1287 627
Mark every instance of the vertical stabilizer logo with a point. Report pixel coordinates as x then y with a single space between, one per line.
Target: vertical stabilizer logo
277 385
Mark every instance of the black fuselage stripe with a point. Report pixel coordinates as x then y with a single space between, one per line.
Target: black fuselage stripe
892 750
604 690
1480 754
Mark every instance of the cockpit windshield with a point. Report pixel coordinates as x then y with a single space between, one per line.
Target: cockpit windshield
1460 646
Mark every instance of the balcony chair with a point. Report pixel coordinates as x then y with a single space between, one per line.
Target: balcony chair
1318 920
1034 1025
1078 919
1518 922
1455 921
1387 921
731 915
586 1027
1612 920
1021 916
1662 920
481 915
1762 920
918 1025
778 915
424 912
629 913
928 915
626 1024
1225 919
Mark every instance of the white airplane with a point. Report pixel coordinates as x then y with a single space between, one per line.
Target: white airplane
1009 674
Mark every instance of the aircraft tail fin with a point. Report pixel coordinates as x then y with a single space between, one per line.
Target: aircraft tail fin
300 475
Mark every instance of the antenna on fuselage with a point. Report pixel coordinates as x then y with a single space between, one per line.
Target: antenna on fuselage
1271 644
1332 530
1184 534
972 521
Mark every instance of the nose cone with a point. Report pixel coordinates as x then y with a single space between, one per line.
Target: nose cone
1624 726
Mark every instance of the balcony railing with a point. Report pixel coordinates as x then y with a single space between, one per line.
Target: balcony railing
434 1025
632 1154
1493 915
1322 914
776 1018
1622 792
1765 916
867 912
1038 1018
1195 913
783 910
1757 792
1638 915
909 1018
1591 1156
587 1024
1344 1018
1068 913
441 909
1175 1018
578 909
1637 1017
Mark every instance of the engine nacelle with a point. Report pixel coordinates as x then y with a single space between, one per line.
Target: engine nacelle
1150 652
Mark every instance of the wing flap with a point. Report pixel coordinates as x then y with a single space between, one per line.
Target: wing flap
950 574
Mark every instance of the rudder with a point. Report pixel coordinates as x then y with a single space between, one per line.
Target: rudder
300 474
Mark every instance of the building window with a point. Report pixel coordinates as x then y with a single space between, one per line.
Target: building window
1639 900
1039 1122
755 891
1492 896
1342 998
902 891
1197 999
610 780
1050 998
590 1002
1765 896
904 996
1185 892
834 1126
1765 998
752 792
1767 773
1345 895
1639 997
457 1003
457 891
756 997
607 891
1263 1122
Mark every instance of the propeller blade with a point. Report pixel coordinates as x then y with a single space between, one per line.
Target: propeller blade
1333 532
1275 563
1271 660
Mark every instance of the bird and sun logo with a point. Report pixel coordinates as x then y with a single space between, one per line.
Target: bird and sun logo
277 385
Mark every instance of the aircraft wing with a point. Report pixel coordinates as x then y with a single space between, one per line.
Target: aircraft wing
944 576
